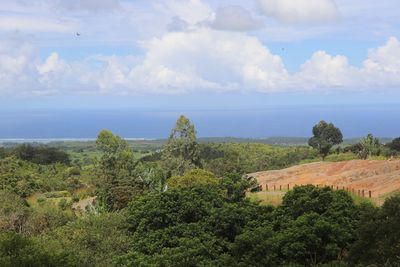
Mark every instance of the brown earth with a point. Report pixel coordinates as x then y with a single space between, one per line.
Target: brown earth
84 205
380 177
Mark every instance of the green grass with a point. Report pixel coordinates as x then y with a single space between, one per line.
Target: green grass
35 202
273 198
332 158
57 194
359 200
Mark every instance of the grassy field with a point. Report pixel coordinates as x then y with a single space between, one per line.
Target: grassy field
274 198
48 200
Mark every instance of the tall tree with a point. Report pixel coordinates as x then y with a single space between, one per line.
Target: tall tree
181 152
326 135
118 182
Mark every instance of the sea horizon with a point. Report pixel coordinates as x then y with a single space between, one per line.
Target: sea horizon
259 122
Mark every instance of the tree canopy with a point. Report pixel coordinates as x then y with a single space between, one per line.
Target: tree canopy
117 182
325 136
181 151
395 144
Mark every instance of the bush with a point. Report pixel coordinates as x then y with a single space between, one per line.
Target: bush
41 199
74 171
17 250
63 204
341 157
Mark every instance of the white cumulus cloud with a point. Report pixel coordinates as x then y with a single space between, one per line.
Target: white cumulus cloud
325 71
194 60
206 59
17 69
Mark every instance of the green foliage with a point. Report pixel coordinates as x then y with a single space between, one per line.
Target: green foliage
392 148
186 226
17 250
117 183
341 157
63 204
198 217
17 176
181 151
237 186
378 235
325 136
395 144
46 219
92 240
200 226
57 194
26 178
3 152
315 225
41 154
192 178
13 212
369 146
152 176
254 247
248 158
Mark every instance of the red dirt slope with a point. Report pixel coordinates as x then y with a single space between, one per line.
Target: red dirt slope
380 177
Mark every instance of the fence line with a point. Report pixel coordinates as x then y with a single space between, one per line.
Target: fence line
360 192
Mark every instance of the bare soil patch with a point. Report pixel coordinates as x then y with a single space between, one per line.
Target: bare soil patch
381 177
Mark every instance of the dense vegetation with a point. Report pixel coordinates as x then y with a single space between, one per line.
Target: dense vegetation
111 203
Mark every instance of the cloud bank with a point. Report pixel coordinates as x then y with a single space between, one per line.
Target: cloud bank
187 46
192 61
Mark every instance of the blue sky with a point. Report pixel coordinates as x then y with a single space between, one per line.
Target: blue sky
198 53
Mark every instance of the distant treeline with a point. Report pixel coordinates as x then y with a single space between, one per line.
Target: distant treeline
158 143
39 154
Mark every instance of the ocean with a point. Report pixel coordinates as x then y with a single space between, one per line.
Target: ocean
287 121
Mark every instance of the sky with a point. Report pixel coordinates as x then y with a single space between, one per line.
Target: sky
198 54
